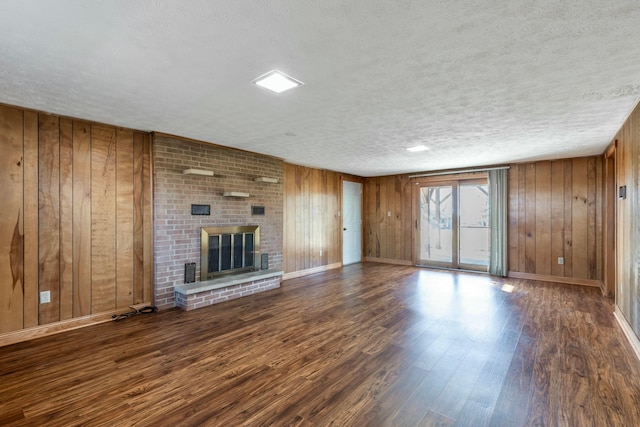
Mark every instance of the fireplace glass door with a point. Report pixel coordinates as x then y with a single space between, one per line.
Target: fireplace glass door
227 250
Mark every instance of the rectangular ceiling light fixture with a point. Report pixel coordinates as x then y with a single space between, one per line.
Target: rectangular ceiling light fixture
277 81
417 148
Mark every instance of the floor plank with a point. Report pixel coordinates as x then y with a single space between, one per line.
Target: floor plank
365 345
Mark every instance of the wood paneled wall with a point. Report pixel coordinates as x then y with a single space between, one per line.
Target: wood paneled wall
312 221
555 210
554 207
387 218
75 218
628 221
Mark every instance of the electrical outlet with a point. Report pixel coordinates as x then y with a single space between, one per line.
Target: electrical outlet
320 252
45 297
560 260
389 214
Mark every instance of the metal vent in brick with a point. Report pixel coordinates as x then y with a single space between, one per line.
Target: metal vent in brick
264 261
257 210
200 209
190 272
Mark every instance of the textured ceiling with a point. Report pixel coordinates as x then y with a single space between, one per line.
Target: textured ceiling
479 83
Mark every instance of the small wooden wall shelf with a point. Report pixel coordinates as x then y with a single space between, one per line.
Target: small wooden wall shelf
235 194
200 172
266 180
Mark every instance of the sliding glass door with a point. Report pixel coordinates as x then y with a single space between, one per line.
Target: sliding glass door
436 225
453 224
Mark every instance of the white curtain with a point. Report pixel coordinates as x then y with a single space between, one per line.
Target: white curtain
498 212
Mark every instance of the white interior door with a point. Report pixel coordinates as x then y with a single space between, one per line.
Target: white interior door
351 222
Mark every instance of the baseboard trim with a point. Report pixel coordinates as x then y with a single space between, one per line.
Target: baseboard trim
41 331
308 271
628 332
556 279
387 261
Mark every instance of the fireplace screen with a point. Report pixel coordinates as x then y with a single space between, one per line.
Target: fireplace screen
227 250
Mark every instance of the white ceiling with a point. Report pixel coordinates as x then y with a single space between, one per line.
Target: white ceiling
479 82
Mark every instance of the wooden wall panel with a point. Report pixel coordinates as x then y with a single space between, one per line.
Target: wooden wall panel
388 206
289 231
543 217
11 220
627 162
82 212
147 228
562 205
626 292
368 190
514 206
397 232
49 216
308 246
295 252
519 216
31 261
138 216
333 233
609 221
599 238
594 214
624 222
312 223
383 224
568 225
579 218
318 206
124 218
530 219
557 217
388 213
103 218
409 223
66 218
81 218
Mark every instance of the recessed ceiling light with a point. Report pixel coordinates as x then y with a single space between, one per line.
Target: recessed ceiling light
417 148
277 81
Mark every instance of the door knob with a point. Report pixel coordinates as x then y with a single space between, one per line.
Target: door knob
344 229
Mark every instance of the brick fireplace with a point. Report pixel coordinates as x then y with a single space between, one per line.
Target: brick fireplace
178 232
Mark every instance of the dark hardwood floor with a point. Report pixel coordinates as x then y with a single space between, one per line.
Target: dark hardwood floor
366 345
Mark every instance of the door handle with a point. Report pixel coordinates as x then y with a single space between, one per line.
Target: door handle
344 229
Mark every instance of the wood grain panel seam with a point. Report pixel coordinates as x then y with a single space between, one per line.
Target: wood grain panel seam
555 279
388 261
308 271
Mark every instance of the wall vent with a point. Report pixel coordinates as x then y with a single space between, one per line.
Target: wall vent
190 272
200 209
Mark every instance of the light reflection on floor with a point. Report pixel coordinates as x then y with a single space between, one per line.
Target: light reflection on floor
473 300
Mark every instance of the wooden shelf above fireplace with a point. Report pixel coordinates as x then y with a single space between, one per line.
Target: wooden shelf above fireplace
266 179
235 194
199 172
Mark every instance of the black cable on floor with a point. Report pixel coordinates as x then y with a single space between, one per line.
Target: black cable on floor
144 310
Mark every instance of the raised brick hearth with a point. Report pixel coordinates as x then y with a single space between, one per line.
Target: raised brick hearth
201 294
